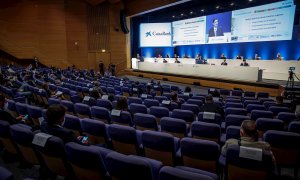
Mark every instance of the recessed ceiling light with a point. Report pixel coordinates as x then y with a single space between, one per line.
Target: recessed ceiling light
217 7
231 4
202 10
181 14
191 12
250 0
173 16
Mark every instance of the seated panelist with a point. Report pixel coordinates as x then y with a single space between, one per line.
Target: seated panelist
224 63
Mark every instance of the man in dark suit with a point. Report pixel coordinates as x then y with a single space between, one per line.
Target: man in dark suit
224 63
244 63
210 106
6 116
53 124
215 30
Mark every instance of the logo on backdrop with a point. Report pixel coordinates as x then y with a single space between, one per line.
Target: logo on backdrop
154 33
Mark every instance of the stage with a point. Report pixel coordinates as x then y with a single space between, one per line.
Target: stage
274 87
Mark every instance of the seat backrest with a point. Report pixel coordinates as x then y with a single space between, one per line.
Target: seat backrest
124 139
95 130
174 126
206 131
186 115
210 117
255 114
100 113
124 118
22 135
195 101
247 102
138 108
151 102
233 132
159 112
251 107
200 154
5 174
236 111
233 105
121 166
277 109
294 127
235 120
145 122
169 173
191 107
54 156
134 100
73 123
159 146
284 146
249 94
160 98
5 137
86 161
69 105
82 110
286 117
240 168
262 95
265 124
104 103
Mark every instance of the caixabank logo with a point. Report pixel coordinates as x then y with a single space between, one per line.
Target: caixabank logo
154 33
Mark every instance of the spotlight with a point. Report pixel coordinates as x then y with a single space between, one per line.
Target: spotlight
173 16
217 7
191 12
232 4
202 10
181 14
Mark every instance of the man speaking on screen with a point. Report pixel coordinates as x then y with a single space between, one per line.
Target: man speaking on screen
215 30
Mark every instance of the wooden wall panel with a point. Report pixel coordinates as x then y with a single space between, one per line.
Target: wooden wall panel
60 32
117 38
98 27
76 32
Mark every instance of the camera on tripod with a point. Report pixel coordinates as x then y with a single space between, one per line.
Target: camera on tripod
291 71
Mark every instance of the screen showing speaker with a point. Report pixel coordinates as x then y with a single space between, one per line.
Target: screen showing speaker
270 22
155 35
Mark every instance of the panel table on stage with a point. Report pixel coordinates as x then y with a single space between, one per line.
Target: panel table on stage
202 70
272 69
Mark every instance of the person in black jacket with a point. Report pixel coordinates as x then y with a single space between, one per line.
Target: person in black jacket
210 106
54 124
6 116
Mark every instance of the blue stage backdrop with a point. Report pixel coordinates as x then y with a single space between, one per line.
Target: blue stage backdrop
290 50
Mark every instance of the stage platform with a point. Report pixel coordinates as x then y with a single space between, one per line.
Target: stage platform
274 87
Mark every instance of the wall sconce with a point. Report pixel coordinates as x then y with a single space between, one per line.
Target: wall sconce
76 43
103 50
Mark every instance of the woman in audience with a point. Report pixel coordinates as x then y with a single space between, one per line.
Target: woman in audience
122 104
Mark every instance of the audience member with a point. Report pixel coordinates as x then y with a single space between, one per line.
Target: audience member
188 89
279 101
249 138
53 124
175 99
210 106
5 115
122 104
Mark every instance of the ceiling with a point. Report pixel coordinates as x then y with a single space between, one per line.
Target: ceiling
196 8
